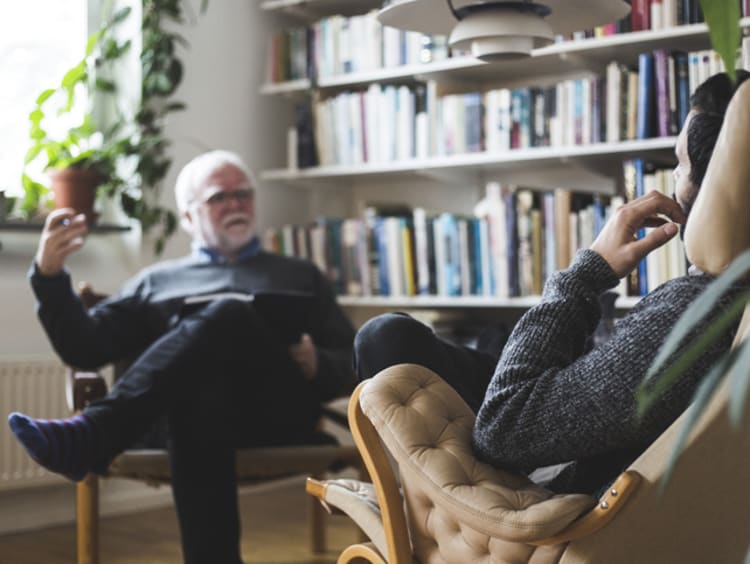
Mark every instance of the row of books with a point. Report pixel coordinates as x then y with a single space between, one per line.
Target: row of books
390 123
339 45
661 14
515 240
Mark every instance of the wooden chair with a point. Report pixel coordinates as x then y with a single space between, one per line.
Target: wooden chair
254 465
442 505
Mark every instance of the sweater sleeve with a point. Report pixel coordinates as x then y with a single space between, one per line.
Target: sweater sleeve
88 339
549 403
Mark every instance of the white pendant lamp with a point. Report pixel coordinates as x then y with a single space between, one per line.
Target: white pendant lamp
497 29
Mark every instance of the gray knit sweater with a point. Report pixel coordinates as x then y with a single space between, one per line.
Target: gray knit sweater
549 402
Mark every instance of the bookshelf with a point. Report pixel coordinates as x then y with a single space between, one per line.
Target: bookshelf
593 156
590 54
591 165
459 302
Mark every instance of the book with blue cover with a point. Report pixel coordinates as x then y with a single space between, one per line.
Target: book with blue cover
645 103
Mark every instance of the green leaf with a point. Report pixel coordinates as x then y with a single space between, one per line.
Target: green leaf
74 75
171 222
105 85
36 116
44 96
92 41
32 194
722 18
740 379
703 394
121 15
173 107
698 310
37 134
32 153
650 391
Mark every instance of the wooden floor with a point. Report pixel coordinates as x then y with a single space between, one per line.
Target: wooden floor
274 532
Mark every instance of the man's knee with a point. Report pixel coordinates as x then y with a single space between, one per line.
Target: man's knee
388 339
221 323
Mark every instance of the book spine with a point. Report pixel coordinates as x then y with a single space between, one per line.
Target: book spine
511 242
661 77
645 95
639 15
682 82
640 188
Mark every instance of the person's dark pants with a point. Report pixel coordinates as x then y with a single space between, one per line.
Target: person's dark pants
224 383
396 338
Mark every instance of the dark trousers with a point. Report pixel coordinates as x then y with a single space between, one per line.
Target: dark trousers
223 383
396 338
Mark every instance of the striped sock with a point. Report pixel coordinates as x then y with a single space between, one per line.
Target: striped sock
64 446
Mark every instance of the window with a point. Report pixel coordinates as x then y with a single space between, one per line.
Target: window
39 41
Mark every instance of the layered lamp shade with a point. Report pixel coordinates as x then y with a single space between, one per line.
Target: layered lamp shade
495 29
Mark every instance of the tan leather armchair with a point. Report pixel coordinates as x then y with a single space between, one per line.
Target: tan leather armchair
254 465
442 505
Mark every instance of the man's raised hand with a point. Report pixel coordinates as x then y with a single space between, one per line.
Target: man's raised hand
63 233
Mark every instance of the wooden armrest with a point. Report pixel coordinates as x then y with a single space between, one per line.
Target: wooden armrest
83 387
609 504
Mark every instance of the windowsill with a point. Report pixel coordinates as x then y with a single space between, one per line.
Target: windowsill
34 226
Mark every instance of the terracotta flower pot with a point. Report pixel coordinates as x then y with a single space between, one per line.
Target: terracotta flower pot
76 188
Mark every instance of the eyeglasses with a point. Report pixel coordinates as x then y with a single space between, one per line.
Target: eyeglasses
242 196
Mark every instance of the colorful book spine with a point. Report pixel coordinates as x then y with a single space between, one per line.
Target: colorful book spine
645 95
661 79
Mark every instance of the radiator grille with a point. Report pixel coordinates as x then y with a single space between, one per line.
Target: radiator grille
37 388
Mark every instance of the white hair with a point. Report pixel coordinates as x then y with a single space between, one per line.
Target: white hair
194 174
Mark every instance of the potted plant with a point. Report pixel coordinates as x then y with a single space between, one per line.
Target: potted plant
81 158
126 161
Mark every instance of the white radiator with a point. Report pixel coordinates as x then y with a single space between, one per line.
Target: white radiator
37 388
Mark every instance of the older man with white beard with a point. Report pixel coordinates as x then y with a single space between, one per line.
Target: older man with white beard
226 373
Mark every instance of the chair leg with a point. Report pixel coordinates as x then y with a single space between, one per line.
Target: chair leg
317 525
87 519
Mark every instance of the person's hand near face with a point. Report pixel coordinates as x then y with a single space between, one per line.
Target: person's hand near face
617 242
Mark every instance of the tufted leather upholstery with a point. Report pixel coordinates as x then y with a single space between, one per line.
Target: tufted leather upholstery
459 509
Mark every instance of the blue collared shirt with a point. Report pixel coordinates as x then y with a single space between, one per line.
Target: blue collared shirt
208 254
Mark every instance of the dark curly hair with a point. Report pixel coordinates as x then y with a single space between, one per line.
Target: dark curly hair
710 100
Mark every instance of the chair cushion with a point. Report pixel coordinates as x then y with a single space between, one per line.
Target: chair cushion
253 464
717 231
427 428
359 501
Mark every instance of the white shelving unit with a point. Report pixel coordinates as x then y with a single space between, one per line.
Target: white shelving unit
599 156
592 167
459 302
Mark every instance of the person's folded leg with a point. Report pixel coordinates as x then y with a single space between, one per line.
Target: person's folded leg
397 338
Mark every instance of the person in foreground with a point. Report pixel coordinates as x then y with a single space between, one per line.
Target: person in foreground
222 374
547 401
